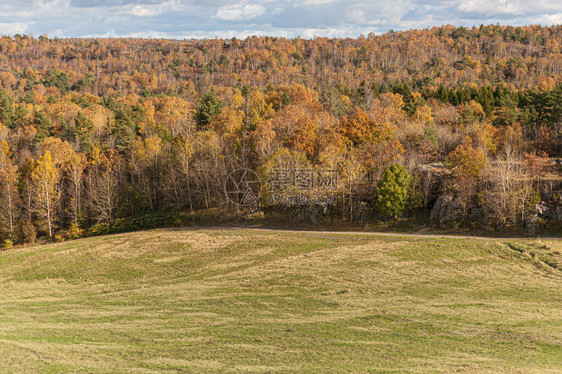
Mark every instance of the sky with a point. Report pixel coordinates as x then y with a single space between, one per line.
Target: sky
185 19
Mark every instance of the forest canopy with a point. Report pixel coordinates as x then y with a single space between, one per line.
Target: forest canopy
96 130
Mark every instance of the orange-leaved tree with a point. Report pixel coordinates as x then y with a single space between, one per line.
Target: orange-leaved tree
375 138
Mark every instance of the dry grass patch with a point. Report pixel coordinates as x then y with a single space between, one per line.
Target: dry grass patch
211 301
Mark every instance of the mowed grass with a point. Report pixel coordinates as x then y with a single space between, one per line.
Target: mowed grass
210 301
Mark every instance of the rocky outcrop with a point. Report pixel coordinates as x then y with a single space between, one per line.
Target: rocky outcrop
447 212
532 225
433 177
546 211
436 169
438 206
549 211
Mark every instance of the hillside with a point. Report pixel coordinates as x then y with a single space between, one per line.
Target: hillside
207 301
97 130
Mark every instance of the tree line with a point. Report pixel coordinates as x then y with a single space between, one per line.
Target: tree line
94 130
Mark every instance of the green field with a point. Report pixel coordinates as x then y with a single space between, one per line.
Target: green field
209 301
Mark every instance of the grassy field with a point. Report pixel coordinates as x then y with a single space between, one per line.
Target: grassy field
208 301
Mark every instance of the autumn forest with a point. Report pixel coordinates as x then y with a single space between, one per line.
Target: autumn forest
462 126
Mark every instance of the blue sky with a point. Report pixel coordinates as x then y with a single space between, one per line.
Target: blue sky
290 18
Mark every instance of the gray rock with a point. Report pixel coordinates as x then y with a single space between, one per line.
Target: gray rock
435 213
532 225
452 214
558 209
447 212
436 169
546 211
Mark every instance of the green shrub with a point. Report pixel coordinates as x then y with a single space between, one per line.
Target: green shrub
74 231
144 222
415 196
392 191
8 244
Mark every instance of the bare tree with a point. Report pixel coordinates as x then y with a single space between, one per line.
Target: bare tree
8 190
507 188
102 181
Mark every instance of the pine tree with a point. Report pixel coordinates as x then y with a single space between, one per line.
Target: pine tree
392 191
208 107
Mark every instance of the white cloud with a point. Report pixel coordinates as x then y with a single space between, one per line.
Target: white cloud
381 13
315 2
552 19
13 28
151 10
308 33
240 18
240 12
510 7
357 15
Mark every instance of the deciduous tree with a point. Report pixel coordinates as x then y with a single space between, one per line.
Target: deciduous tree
9 197
46 178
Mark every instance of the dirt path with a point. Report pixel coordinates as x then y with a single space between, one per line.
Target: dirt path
372 233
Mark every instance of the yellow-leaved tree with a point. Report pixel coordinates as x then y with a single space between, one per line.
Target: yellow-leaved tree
45 178
468 163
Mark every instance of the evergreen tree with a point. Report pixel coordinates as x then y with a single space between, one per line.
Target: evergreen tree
124 130
208 107
392 191
57 79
